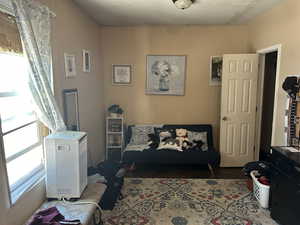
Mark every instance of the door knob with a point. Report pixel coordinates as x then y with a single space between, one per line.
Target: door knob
224 118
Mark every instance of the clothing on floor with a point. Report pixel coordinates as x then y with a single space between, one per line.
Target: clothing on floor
51 216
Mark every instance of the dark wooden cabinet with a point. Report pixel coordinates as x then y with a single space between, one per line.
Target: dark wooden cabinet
285 187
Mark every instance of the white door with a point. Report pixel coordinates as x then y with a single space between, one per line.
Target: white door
238 109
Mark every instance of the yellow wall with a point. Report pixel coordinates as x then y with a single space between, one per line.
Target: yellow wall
72 31
280 25
201 103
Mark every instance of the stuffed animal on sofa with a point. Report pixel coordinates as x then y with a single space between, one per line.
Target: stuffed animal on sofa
153 140
170 143
186 145
163 133
181 136
163 136
197 145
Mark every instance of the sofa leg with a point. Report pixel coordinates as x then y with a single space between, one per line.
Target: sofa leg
211 170
132 167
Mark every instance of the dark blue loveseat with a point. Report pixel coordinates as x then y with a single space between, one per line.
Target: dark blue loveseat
211 157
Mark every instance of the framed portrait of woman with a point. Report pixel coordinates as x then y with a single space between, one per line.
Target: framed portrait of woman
70 65
166 74
215 77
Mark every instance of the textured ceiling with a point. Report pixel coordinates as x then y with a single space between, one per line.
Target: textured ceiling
138 12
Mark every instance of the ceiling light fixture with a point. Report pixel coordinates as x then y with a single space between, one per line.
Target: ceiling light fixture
183 4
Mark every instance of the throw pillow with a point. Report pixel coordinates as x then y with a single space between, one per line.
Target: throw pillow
140 134
163 133
169 143
199 136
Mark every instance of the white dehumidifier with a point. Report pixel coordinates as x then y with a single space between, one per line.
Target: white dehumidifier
66 164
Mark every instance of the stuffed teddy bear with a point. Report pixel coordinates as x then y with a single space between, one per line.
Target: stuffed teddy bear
181 136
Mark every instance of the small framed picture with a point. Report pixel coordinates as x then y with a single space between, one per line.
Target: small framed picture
121 74
216 63
70 65
86 61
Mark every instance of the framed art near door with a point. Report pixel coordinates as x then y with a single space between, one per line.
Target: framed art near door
166 74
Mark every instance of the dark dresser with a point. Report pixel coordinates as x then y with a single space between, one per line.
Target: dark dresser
285 186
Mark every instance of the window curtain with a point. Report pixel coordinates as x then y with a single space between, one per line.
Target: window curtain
34 24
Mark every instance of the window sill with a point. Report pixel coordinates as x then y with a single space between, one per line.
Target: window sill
26 187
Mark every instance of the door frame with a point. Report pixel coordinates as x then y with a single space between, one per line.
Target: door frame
260 87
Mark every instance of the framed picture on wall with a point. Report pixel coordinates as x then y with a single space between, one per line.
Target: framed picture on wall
70 65
166 74
86 61
215 76
121 74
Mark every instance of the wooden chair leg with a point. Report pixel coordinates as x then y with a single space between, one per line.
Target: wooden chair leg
211 170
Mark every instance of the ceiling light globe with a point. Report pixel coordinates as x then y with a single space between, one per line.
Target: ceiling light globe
183 4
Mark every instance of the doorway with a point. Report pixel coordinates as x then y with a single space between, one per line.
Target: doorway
267 96
268 103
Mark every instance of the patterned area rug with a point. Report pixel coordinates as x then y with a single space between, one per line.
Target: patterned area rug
186 202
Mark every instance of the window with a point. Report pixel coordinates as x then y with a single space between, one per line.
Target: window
20 131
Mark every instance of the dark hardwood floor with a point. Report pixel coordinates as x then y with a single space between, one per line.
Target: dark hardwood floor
174 171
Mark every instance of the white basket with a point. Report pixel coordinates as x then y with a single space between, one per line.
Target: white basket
260 191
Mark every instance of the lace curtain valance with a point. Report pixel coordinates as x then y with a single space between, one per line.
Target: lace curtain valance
9 35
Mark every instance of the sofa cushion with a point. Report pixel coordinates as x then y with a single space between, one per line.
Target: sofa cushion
150 156
162 133
198 136
138 134
169 143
